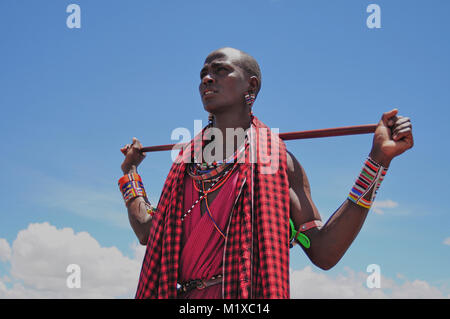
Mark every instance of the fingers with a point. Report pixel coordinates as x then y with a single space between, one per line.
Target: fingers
404 134
397 120
124 149
134 147
388 116
136 144
398 127
404 140
401 127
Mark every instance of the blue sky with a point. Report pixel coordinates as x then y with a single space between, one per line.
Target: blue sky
70 98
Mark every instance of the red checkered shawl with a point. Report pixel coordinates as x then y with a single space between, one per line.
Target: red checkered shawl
256 254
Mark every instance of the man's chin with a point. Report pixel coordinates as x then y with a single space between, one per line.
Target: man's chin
212 107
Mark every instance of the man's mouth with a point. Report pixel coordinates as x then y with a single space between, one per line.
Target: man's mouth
208 92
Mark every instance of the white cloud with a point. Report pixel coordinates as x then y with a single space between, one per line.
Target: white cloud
447 241
5 250
379 206
417 289
306 283
41 253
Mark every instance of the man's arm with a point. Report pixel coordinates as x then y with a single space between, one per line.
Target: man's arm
139 219
392 137
329 243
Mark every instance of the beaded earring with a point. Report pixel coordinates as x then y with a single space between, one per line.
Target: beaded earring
249 100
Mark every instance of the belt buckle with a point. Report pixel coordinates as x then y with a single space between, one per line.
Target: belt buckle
187 286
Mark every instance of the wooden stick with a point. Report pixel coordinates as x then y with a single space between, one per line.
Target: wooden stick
327 132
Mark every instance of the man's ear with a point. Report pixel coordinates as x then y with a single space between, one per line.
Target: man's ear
254 84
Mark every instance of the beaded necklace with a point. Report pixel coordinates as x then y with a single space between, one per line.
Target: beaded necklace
214 186
204 172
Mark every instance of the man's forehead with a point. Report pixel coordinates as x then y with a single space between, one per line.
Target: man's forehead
228 55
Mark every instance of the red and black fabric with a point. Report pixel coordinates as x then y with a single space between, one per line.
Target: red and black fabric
256 254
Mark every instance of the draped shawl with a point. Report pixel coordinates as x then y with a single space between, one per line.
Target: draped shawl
256 254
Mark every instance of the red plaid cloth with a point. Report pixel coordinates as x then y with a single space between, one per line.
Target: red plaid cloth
256 256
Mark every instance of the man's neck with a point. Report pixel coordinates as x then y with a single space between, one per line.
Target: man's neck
237 122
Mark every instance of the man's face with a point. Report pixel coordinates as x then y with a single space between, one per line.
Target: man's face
223 83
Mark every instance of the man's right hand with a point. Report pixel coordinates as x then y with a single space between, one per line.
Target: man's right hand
133 156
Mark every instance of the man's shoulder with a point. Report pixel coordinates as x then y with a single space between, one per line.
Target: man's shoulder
291 161
295 170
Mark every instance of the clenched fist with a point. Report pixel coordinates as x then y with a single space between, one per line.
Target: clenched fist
392 137
133 156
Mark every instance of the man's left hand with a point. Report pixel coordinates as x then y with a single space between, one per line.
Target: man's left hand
392 137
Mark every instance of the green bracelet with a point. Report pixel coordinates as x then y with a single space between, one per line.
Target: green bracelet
300 237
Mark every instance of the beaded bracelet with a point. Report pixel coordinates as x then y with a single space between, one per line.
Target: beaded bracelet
372 174
133 189
129 177
131 186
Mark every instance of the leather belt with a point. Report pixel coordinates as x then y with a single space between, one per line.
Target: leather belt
198 284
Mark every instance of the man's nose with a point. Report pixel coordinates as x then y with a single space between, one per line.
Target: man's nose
208 79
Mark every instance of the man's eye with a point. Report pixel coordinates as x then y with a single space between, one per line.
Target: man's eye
218 69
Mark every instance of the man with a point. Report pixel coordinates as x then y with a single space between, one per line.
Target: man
246 236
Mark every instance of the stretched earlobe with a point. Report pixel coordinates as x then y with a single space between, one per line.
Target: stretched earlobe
210 120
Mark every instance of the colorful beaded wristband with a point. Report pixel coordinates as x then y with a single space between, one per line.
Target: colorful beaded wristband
128 178
133 189
372 174
131 186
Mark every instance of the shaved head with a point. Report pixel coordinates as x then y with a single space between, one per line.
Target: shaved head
242 59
